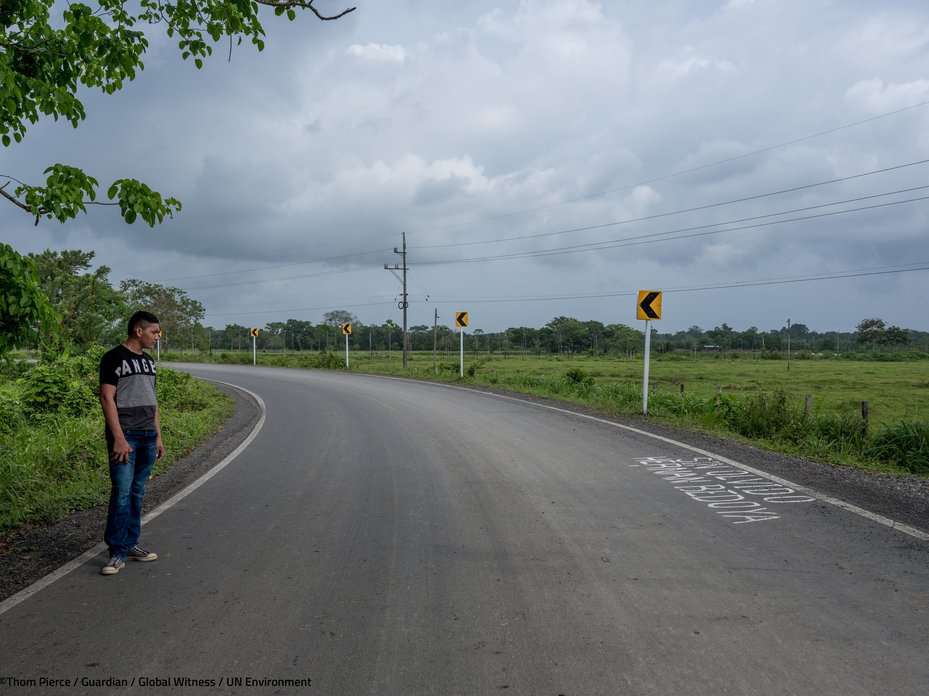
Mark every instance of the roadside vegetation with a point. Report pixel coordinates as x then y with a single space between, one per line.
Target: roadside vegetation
52 453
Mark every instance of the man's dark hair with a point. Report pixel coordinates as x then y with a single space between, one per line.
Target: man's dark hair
142 318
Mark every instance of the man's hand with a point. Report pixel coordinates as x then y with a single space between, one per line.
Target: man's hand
159 449
120 452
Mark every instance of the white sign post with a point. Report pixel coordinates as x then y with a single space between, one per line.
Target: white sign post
254 333
648 307
346 331
648 352
461 321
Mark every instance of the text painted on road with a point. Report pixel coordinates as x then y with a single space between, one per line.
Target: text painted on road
730 492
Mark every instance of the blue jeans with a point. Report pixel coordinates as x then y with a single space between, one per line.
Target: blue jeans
128 479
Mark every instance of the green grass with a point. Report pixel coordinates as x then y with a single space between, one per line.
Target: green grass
894 390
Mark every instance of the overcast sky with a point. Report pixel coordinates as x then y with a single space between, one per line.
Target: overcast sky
504 138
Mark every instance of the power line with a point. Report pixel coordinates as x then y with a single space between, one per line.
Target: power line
835 275
276 280
610 244
298 309
681 172
676 212
832 275
628 241
571 230
652 238
280 265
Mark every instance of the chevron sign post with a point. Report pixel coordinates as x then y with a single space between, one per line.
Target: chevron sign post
461 321
647 307
347 330
254 334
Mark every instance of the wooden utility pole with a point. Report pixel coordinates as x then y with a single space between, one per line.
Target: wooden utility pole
403 304
435 324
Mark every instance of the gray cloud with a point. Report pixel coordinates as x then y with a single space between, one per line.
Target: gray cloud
479 122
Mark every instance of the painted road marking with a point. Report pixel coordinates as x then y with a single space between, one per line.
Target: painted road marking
729 491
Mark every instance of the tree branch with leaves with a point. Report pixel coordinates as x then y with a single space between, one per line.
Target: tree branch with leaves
45 60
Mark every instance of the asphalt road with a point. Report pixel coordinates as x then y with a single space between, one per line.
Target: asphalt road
381 536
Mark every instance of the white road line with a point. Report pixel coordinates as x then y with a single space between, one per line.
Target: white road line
874 517
39 585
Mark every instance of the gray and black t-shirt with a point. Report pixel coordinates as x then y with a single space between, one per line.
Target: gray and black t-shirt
133 375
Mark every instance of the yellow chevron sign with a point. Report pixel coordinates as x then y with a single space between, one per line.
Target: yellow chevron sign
648 306
461 319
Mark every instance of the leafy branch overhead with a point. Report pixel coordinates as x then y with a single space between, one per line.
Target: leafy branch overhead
44 60
68 191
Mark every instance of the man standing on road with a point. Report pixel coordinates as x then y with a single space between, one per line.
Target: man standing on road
133 437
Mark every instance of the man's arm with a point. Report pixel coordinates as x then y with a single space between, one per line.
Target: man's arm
121 448
159 443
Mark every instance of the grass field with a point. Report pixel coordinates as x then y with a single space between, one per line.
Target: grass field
894 390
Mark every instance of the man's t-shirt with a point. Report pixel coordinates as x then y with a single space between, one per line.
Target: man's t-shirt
133 375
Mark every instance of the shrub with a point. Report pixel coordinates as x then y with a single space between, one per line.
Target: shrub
10 411
472 369
329 361
578 377
844 433
179 391
905 444
621 395
669 403
763 416
67 385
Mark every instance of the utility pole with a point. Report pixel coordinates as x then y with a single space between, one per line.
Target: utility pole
403 304
435 324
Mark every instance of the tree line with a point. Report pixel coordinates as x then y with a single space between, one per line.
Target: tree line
80 306
85 309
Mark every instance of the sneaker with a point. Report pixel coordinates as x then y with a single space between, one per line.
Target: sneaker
112 567
137 553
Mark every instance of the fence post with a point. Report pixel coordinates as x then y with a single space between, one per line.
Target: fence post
682 390
809 405
864 418
718 400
